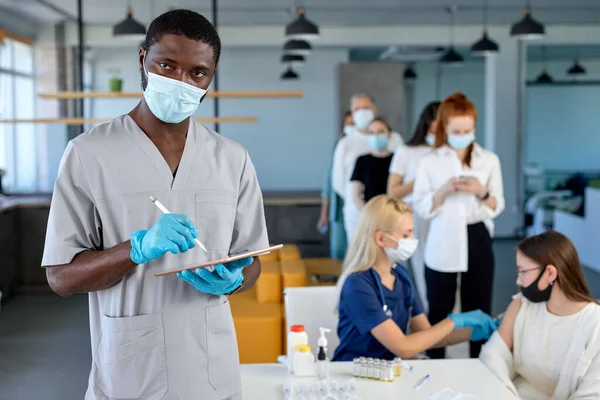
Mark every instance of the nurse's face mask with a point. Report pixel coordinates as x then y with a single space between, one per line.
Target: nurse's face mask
404 249
171 100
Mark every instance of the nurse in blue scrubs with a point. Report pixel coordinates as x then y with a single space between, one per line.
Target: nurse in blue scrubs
379 313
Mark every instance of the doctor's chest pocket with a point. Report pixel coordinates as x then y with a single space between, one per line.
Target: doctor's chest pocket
130 359
215 218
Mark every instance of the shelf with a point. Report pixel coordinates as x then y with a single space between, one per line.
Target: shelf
138 95
82 121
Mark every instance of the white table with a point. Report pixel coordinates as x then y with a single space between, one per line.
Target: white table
468 376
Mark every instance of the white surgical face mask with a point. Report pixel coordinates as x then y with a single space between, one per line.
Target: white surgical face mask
404 250
348 130
430 139
362 118
461 142
171 100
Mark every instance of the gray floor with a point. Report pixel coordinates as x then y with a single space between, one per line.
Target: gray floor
44 339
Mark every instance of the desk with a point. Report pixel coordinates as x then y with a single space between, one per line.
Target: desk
23 221
468 376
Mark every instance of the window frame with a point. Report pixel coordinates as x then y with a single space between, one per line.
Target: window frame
14 184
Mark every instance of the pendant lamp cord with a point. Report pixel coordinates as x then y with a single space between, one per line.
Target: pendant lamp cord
451 11
544 56
485 14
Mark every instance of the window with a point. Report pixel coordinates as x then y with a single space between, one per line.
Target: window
18 141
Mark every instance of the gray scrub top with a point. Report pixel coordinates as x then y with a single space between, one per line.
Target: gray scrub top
157 337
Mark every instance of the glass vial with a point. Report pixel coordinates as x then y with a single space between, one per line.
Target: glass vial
391 371
370 368
397 366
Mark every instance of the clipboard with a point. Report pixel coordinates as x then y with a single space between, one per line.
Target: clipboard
225 260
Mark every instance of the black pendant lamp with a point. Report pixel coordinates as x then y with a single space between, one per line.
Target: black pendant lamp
576 68
451 56
301 28
297 47
528 28
129 27
292 59
544 77
409 74
289 74
485 45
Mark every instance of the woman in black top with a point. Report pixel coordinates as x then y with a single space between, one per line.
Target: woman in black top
371 171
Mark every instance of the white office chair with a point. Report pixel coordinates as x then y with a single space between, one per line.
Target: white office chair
313 307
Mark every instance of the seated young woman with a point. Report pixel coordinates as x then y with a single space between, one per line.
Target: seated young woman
379 314
548 344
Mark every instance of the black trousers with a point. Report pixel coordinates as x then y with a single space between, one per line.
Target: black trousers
475 286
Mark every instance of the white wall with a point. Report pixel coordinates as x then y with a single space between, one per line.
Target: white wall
292 142
468 79
562 121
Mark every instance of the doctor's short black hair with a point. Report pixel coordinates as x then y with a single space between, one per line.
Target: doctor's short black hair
185 23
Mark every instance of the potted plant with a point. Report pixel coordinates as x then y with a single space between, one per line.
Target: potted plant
115 83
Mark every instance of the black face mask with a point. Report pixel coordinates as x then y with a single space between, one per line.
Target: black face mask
533 292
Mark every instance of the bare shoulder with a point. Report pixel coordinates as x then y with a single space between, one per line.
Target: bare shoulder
507 326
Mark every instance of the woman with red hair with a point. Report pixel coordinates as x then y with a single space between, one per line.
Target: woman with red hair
458 188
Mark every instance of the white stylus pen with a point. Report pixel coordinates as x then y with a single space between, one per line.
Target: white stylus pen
165 211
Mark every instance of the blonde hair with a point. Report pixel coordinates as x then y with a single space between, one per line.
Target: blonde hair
379 214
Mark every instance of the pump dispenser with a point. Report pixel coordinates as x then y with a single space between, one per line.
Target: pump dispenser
322 360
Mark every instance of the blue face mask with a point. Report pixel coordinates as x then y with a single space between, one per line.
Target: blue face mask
430 139
378 142
461 142
171 100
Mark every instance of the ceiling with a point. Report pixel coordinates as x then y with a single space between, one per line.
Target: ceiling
534 53
329 12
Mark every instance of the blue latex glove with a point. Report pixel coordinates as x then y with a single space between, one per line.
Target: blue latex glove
171 232
482 324
223 279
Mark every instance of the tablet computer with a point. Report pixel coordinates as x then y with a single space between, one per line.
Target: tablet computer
225 260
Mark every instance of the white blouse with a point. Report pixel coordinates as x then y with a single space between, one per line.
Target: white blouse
543 349
446 248
405 162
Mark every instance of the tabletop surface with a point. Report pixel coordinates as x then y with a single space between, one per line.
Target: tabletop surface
466 376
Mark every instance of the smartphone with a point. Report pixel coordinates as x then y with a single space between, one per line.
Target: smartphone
465 177
224 261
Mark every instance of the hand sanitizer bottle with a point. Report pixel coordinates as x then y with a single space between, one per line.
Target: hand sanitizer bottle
322 360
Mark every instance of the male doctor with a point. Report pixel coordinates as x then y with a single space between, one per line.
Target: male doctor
168 337
347 151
